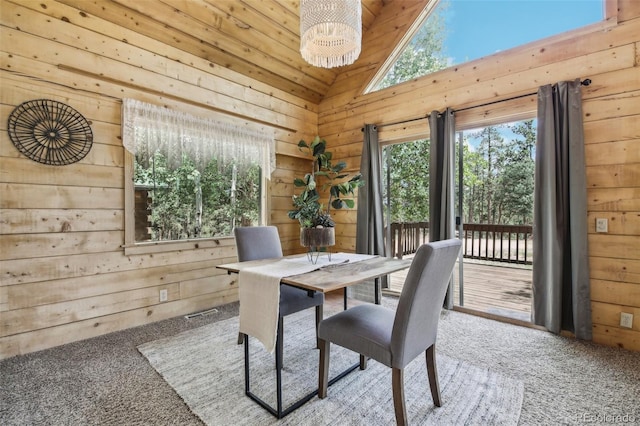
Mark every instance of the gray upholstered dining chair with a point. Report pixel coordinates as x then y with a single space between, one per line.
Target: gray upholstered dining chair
263 242
396 338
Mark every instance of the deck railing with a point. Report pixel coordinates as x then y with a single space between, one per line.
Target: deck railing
498 243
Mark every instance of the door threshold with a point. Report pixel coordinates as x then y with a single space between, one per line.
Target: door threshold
499 318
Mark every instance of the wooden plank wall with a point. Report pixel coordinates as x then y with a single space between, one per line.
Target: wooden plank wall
64 275
609 57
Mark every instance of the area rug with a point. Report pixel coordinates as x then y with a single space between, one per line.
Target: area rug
205 367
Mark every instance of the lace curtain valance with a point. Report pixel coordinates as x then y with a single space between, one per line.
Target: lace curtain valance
148 129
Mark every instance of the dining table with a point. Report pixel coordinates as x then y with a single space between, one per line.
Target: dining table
330 272
331 276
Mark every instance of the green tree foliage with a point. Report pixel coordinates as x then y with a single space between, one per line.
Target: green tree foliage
407 165
517 176
473 165
499 176
490 149
187 203
423 55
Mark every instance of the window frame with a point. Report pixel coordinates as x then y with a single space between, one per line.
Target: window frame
131 247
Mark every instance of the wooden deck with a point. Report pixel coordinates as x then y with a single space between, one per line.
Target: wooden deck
503 290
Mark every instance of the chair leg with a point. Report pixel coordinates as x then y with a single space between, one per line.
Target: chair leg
323 368
398 396
433 375
319 316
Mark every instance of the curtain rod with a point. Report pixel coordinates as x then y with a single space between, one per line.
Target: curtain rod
584 82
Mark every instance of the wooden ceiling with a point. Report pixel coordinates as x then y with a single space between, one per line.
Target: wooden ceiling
257 38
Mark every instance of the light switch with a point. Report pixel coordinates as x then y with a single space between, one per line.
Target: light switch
602 225
626 320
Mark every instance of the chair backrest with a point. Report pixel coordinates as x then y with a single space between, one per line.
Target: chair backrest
257 242
416 322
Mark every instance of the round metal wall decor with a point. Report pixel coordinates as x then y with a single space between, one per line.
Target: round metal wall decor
50 132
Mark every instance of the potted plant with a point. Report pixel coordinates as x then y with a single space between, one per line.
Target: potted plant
316 225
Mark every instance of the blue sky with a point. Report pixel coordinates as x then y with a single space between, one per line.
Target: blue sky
477 28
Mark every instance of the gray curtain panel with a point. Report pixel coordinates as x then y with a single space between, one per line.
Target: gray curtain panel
370 225
441 181
370 219
561 289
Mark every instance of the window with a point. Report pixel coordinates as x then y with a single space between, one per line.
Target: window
176 202
458 31
192 177
497 169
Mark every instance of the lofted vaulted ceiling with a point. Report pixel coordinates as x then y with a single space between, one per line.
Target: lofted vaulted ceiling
256 38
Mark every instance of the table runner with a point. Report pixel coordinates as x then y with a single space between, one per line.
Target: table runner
259 292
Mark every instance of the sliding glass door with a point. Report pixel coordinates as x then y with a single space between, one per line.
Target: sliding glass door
494 213
494 203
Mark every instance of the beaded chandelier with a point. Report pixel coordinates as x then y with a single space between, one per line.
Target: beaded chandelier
330 32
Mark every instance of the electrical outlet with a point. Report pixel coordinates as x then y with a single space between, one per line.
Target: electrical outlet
602 225
626 320
164 295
